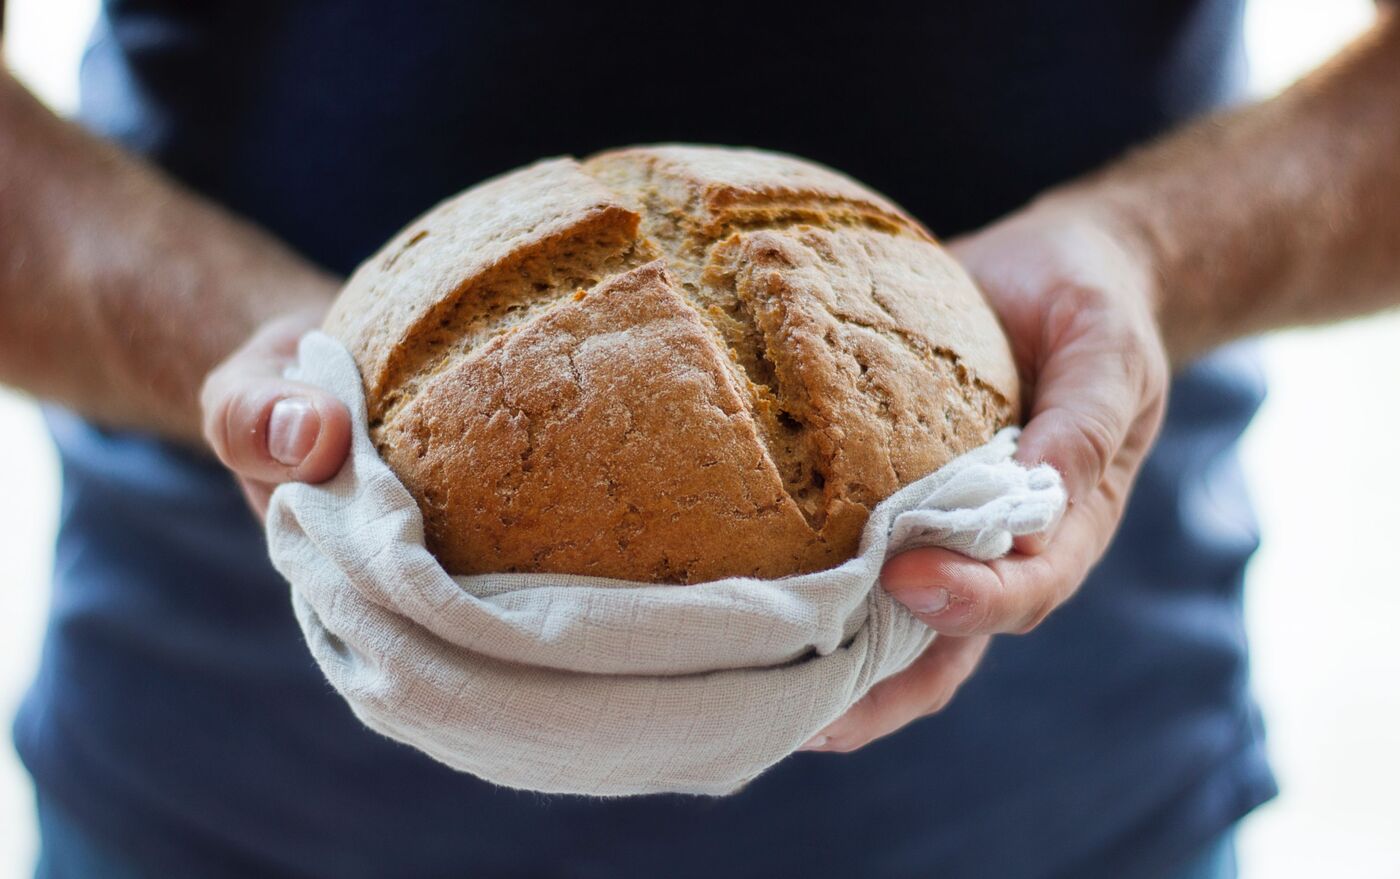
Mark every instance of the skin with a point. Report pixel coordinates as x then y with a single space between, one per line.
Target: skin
120 291
1278 214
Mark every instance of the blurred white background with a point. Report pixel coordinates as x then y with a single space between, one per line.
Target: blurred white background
1324 594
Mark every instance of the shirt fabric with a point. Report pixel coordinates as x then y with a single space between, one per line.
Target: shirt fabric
177 715
69 851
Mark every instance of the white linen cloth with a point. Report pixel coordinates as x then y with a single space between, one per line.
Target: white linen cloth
584 685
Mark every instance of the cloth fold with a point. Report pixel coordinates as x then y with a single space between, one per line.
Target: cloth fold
585 685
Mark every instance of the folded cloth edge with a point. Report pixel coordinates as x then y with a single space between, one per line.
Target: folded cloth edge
585 685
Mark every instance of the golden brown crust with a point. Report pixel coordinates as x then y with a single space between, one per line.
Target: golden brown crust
668 364
606 437
391 312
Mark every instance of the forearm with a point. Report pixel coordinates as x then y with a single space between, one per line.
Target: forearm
119 290
1283 213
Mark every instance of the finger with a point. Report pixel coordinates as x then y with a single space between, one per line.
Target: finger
1097 379
923 688
956 595
1033 544
271 430
277 339
258 496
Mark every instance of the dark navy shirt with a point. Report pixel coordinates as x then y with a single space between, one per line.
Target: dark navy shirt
177 714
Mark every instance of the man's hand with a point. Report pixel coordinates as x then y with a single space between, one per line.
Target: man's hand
268 429
1272 215
1078 303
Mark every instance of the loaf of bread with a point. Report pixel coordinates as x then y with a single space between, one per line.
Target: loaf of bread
667 364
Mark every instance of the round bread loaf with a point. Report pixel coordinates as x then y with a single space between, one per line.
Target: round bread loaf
668 364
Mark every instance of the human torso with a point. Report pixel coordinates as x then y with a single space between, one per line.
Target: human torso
177 705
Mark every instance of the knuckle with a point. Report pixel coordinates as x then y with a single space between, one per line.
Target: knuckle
1155 407
1098 439
1042 587
973 609
985 602
1049 583
981 613
1157 367
1147 365
1134 339
1114 490
1081 444
1073 310
1037 614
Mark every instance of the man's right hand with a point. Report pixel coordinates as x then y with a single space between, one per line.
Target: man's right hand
268 429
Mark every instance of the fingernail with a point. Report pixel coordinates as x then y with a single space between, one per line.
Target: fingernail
814 743
929 602
292 430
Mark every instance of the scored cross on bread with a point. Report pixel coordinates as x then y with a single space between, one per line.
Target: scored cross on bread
668 364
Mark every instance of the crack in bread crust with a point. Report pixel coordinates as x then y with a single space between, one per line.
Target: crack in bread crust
512 294
846 395
691 242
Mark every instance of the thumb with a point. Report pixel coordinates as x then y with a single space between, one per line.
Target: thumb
271 430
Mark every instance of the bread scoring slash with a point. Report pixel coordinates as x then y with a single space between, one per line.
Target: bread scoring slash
668 364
